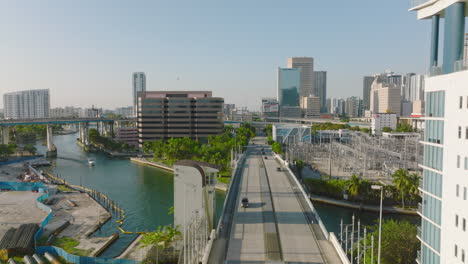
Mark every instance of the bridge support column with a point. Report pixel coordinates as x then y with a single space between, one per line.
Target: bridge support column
86 134
51 149
5 135
111 128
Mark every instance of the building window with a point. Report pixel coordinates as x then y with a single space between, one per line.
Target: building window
458 190
466 133
466 163
463 256
461 102
464 193
464 224
459 132
458 161
456 250
456 220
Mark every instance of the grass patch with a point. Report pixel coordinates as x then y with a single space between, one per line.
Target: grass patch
225 180
64 188
18 259
69 244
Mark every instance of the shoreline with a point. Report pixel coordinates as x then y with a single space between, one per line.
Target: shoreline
363 207
220 187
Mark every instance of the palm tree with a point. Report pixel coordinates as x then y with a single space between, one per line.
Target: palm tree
402 181
354 186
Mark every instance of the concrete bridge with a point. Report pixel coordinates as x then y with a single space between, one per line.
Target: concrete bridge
103 124
279 226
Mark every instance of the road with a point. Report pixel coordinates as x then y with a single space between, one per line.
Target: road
276 228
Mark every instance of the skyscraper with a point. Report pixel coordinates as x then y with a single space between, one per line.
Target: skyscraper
139 85
288 84
444 188
306 67
320 89
366 88
27 104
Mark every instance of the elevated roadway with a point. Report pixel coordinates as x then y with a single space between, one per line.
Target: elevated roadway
278 226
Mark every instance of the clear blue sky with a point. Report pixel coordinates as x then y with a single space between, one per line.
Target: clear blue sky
84 51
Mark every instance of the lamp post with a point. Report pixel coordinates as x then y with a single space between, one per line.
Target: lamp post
378 187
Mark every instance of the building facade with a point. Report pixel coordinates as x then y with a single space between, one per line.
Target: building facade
127 135
165 115
385 96
320 89
443 232
270 108
310 106
125 111
288 84
381 120
139 85
68 111
27 104
366 88
306 68
353 107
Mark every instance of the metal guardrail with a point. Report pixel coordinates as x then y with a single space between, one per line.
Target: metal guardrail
419 232
418 258
420 208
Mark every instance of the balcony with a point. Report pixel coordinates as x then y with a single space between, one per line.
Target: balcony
461 65
420 209
421 185
419 232
418 257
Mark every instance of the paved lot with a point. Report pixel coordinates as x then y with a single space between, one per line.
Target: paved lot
17 208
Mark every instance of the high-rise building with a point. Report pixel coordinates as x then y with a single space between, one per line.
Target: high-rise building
164 115
353 106
444 188
306 67
385 96
406 86
320 87
27 104
139 85
416 89
366 88
310 106
381 120
288 92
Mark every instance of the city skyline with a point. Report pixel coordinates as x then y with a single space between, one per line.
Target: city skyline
91 49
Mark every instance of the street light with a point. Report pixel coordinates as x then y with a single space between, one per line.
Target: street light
378 187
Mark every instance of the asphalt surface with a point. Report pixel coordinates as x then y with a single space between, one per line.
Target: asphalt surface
277 227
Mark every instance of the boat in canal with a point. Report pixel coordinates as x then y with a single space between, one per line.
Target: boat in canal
91 162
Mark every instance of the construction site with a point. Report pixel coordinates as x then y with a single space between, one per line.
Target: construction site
340 155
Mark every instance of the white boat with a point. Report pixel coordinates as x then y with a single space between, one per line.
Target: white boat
91 162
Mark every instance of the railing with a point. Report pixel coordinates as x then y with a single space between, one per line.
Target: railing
461 65
421 184
420 208
435 70
419 232
418 258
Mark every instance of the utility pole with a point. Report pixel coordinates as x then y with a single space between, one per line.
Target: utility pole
329 159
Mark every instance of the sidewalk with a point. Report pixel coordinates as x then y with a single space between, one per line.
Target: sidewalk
366 207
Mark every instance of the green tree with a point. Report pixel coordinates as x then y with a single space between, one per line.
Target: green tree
147 146
299 164
162 238
276 147
30 148
399 243
93 135
406 184
403 127
387 129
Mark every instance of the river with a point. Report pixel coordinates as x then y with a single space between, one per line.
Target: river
146 193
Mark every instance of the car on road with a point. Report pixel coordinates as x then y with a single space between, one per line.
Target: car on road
245 202
278 169
266 157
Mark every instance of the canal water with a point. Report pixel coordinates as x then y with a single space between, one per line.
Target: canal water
146 193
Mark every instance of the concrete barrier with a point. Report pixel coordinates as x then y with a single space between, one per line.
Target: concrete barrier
206 253
341 253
